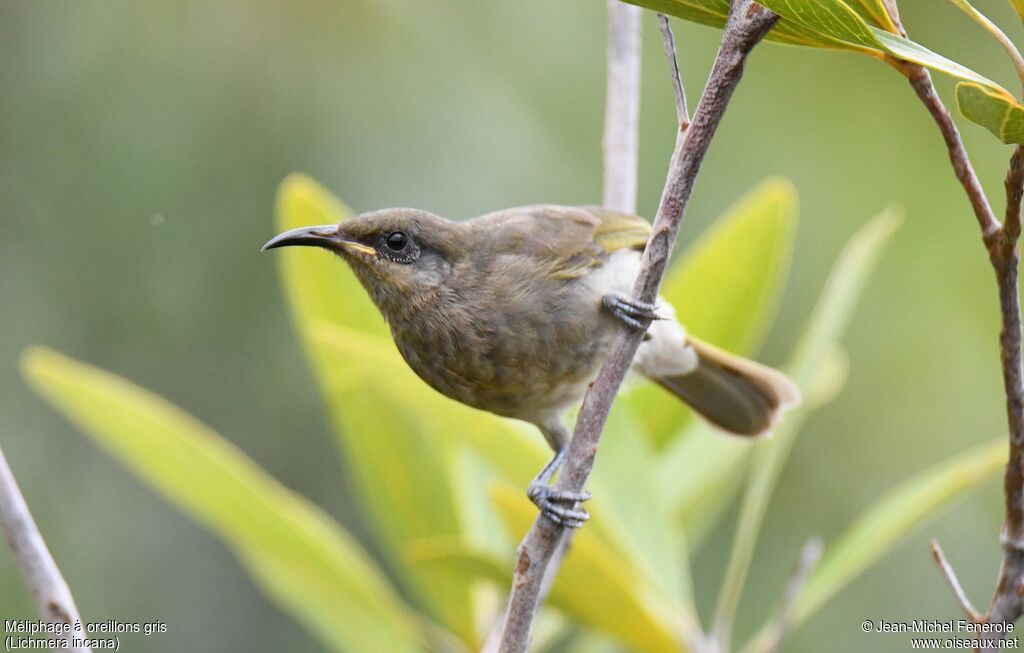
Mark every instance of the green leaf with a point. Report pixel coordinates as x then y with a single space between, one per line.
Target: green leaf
993 111
645 513
299 556
726 289
865 26
880 528
832 18
882 525
398 467
600 588
842 290
714 13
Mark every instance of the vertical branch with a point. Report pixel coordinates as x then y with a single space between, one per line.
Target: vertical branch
43 578
747 24
1001 243
622 107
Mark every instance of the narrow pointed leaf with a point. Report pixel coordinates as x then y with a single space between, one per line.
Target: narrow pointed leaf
882 525
842 290
297 554
880 528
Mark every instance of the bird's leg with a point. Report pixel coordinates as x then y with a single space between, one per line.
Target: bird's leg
557 505
635 313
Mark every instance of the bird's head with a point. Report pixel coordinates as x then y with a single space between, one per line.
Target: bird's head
401 256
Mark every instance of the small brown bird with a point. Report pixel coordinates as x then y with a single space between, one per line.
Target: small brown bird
514 312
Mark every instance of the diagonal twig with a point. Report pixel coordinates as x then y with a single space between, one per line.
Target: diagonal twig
954 582
668 39
809 557
49 589
747 24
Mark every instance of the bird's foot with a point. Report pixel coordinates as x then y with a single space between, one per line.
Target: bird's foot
560 506
634 313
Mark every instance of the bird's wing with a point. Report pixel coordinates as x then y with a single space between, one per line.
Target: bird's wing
566 240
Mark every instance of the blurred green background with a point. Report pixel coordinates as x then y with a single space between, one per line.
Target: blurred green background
141 144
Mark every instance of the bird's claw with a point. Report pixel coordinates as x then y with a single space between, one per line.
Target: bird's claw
635 313
559 505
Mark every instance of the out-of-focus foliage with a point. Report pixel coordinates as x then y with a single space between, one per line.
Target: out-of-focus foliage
443 485
865 26
298 554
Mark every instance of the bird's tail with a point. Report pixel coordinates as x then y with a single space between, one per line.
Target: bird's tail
733 393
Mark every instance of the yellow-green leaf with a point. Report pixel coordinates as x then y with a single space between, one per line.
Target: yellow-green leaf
399 469
883 524
865 26
726 288
714 13
1002 116
1018 6
842 289
886 522
299 556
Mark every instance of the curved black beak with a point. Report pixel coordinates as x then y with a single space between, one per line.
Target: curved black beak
328 237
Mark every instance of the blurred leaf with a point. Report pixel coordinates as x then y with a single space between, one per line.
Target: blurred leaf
300 557
399 470
883 524
1001 116
825 327
726 289
702 471
625 470
1018 6
601 588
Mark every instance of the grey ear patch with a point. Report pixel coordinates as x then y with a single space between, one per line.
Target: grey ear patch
647 336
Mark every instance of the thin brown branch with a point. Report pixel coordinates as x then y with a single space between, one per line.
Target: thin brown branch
1000 242
622 107
668 40
809 557
1007 603
954 583
921 81
42 577
747 24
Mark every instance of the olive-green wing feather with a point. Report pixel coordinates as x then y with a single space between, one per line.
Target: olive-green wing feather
566 240
617 231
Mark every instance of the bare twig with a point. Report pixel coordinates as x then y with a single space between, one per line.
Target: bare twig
622 107
921 81
954 582
40 572
747 24
669 41
809 557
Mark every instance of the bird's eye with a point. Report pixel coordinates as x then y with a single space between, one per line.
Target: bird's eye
397 241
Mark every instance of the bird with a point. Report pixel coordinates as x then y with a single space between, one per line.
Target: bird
515 311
